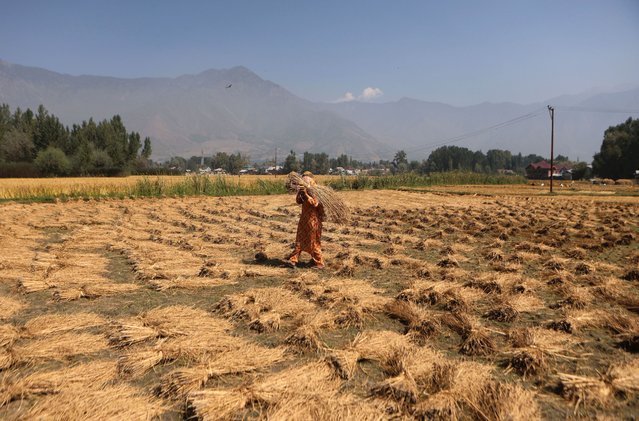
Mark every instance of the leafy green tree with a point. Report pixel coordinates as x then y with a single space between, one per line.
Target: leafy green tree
102 161
116 140
581 171
343 161
236 163
5 119
291 163
48 130
451 158
193 163
23 121
133 146
86 144
52 161
323 165
480 162
619 154
177 162
16 146
317 163
220 160
146 149
83 161
498 159
400 163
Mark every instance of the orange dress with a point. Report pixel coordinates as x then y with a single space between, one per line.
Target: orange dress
309 229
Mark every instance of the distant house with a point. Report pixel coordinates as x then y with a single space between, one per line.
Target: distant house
248 170
538 171
541 171
274 170
343 171
219 171
563 172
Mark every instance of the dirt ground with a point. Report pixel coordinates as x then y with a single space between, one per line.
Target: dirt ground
481 305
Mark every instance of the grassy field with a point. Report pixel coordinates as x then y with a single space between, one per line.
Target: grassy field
48 189
51 189
466 302
121 187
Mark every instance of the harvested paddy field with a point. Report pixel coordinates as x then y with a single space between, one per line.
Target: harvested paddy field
432 306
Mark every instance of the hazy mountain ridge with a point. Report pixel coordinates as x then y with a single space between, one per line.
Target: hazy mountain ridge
421 126
191 113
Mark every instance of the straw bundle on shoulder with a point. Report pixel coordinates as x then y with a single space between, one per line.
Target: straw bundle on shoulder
334 207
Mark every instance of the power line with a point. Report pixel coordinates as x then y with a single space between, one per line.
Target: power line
446 141
494 127
551 110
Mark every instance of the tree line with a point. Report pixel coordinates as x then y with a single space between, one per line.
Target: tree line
443 159
619 153
317 163
231 163
320 163
38 144
618 158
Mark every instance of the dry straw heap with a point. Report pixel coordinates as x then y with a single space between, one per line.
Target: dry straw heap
334 207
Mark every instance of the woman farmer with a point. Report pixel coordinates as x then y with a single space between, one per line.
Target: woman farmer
309 229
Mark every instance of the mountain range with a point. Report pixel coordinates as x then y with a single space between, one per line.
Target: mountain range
234 110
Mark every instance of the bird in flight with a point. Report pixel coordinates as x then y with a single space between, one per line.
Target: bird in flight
229 85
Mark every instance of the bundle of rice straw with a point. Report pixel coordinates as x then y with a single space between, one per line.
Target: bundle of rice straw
334 207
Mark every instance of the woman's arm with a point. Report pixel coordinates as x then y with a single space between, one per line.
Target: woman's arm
303 196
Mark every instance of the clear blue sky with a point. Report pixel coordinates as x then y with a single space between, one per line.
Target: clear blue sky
457 52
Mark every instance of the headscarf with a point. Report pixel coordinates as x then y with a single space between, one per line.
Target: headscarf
307 176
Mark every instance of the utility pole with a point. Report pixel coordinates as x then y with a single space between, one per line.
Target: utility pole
275 162
551 110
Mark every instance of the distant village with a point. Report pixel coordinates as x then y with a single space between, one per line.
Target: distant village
273 170
540 170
